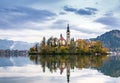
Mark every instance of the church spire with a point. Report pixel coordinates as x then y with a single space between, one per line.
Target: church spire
68 28
68 35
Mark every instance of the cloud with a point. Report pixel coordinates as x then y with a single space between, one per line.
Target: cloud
91 9
59 24
69 9
49 1
62 13
85 11
109 14
11 17
88 30
3 3
110 21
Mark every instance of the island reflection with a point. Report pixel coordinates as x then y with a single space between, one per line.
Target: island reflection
68 62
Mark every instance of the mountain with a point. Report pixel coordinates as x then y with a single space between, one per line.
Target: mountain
5 44
110 39
14 45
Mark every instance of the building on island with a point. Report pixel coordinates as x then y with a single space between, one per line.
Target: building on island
69 45
54 41
62 41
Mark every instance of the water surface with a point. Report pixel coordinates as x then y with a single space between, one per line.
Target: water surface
60 69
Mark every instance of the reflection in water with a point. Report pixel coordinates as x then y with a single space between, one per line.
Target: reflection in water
14 61
76 69
111 66
67 62
12 53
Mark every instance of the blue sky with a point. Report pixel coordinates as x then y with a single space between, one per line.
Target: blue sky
30 20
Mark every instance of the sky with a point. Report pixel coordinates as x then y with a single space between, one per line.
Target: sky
31 20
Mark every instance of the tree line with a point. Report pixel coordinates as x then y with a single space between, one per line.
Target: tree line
76 47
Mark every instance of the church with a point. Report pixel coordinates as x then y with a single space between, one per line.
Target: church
53 41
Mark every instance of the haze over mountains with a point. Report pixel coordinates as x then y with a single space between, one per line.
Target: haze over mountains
14 45
110 39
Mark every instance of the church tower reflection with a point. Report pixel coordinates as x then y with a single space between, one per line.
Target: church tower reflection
66 66
68 72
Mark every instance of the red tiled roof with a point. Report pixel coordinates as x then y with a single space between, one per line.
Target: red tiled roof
61 38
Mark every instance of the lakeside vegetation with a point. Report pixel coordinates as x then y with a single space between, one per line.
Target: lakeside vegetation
79 46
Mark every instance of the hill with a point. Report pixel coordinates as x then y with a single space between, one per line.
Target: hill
110 39
14 45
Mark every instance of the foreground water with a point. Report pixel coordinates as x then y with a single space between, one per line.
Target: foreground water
60 69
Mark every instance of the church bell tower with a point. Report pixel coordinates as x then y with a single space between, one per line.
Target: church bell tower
68 35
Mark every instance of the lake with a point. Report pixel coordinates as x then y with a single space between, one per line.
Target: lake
60 69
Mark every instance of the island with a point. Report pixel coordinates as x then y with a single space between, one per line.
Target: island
62 46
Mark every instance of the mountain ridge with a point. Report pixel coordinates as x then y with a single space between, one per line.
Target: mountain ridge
110 39
14 45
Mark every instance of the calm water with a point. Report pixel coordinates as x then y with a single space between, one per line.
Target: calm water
60 69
